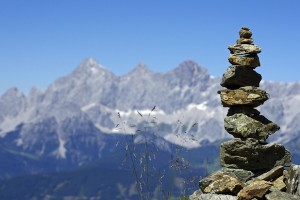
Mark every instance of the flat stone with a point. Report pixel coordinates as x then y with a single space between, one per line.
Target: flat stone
196 196
249 60
241 174
250 154
239 76
245 32
245 41
279 184
293 180
272 174
278 195
247 96
205 182
240 49
225 184
256 189
247 110
241 125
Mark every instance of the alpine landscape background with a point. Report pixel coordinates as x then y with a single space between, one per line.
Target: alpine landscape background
67 141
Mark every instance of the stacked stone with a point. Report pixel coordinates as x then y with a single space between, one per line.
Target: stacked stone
249 150
251 168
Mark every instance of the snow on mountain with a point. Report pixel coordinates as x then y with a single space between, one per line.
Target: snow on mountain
78 108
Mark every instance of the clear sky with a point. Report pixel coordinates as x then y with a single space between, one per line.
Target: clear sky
41 40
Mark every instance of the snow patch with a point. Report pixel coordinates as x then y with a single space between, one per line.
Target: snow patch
61 151
184 141
201 106
88 106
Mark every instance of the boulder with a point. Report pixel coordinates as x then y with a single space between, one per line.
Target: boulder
278 195
245 41
250 154
225 184
256 189
243 126
293 180
244 49
205 182
247 60
272 174
239 76
246 96
241 174
245 32
279 184
198 196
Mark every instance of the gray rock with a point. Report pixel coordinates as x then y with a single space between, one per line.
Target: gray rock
256 189
272 174
205 182
197 196
245 41
249 154
245 32
245 96
248 60
239 76
244 49
278 195
241 174
243 126
293 180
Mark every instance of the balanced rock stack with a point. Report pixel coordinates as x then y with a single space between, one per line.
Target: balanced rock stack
251 168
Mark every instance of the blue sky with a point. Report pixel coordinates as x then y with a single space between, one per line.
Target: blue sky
42 40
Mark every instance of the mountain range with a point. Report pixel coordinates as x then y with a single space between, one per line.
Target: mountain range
82 116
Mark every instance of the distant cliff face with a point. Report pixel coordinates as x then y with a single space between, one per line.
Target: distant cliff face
77 109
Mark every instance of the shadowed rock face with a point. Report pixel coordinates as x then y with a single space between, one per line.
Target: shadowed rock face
240 76
250 155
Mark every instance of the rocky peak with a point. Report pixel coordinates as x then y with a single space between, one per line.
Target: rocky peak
141 70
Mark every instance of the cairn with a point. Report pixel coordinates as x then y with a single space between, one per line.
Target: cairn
251 168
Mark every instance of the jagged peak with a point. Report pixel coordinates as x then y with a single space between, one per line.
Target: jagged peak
13 91
90 65
190 67
141 69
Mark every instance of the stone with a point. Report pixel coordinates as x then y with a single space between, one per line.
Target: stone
247 96
225 184
241 174
293 180
279 184
205 182
248 60
245 41
247 110
243 126
256 189
239 76
278 195
250 154
196 196
245 33
240 49
272 174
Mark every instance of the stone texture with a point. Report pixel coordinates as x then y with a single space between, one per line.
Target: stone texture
196 196
279 184
245 32
244 49
242 126
256 189
272 174
278 195
239 76
241 174
293 180
248 95
245 41
225 184
247 110
249 60
205 182
249 154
